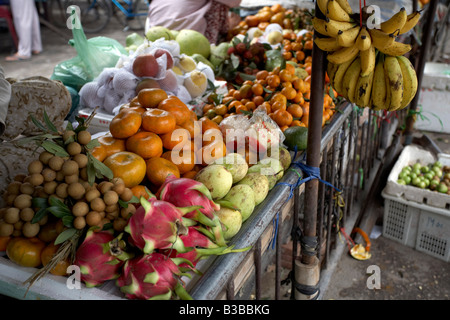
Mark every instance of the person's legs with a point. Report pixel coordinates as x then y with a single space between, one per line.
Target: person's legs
23 11
36 44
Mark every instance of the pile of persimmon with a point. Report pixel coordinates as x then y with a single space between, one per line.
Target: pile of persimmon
149 132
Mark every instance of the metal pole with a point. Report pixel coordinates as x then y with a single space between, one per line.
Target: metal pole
422 59
314 141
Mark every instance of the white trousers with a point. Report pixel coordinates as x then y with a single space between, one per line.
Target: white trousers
26 23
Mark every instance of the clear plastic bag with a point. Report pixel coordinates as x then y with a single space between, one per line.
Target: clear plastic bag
93 55
260 131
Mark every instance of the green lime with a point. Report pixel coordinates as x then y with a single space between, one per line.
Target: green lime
296 137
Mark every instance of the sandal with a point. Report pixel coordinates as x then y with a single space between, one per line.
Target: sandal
16 57
35 52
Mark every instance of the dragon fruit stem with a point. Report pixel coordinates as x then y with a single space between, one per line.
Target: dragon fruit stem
182 293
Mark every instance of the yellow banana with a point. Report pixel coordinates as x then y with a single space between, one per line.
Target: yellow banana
333 27
350 79
394 75
411 21
348 37
327 44
336 12
339 75
378 95
331 71
363 90
396 49
343 55
409 80
322 4
380 39
396 22
346 6
363 41
320 26
367 61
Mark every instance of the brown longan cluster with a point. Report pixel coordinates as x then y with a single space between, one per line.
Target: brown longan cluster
53 176
99 205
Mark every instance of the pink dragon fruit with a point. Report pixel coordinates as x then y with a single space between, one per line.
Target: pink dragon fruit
100 257
201 240
154 276
184 192
158 224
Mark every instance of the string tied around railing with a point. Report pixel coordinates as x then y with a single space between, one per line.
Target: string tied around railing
310 173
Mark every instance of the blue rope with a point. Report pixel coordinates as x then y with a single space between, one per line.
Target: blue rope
310 173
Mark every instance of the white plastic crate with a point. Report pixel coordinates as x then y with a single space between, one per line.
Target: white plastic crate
410 155
421 226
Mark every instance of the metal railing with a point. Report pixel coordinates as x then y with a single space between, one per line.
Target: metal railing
349 146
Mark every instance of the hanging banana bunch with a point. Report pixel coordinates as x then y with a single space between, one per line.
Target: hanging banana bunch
367 65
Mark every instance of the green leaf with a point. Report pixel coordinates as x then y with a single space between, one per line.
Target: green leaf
65 235
101 168
134 199
41 213
69 126
58 203
90 172
123 204
39 202
49 124
37 123
92 144
54 148
235 41
58 212
68 220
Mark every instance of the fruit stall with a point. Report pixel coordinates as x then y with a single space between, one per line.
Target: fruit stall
184 168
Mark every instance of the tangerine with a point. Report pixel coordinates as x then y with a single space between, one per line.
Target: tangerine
207 123
99 153
211 135
176 138
127 165
296 110
159 168
158 121
125 124
60 269
141 191
193 127
178 108
110 144
146 144
190 174
151 97
211 152
282 118
185 161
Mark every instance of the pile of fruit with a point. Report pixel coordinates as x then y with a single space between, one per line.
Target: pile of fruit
281 92
152 130
433 176
72 209
365 63
289 19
